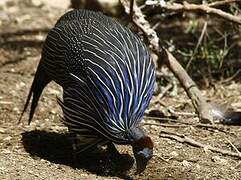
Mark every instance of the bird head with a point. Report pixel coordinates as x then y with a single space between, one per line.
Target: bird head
143 152
142 146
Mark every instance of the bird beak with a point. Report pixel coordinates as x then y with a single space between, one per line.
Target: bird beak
142 157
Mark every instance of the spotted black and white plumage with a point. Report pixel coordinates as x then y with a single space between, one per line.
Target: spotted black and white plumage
106 73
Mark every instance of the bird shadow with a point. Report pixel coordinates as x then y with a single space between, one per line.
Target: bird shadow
57 148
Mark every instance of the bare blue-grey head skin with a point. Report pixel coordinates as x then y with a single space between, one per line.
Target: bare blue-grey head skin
107 77
142 148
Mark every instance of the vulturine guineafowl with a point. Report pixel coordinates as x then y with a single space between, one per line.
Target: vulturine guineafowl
107 76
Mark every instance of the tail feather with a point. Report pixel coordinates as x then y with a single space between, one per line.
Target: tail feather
26 104
41 79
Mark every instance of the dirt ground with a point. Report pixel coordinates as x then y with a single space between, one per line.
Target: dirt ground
42 150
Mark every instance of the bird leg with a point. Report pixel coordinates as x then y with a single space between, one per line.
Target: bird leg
73 138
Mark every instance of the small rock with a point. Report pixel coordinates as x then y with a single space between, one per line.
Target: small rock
206 149
178 147
198 166
186 163
12 70
53 111
56 3
174 154
21 19
3 2
53 91
2 168
22 84
219 160
151 2
13 9
42 160
8 138
37 3
6 151
4 17
16 109
2 130
40 37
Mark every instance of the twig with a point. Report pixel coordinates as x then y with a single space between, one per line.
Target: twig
184 139
163 159
237 165
6 102
220 3
131 8
198 44
175 158
234 147
176 7
224 50
182 113
232 77
181 124
163 119
166 125
164 91
139 20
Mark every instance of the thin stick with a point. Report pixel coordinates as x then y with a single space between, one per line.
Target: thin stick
164 91
164 119
184 139
6 102
232 77
176 7
140 22
131 8
234 147
199 125
166 125
175 113
220 3
198 44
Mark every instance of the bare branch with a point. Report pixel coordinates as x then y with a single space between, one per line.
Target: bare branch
162 94
199 102
220 3
176 7
234 147
131 8
139 20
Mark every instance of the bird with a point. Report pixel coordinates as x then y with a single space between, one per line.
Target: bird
107 75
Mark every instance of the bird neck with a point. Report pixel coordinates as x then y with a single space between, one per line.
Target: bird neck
139 140
142 143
